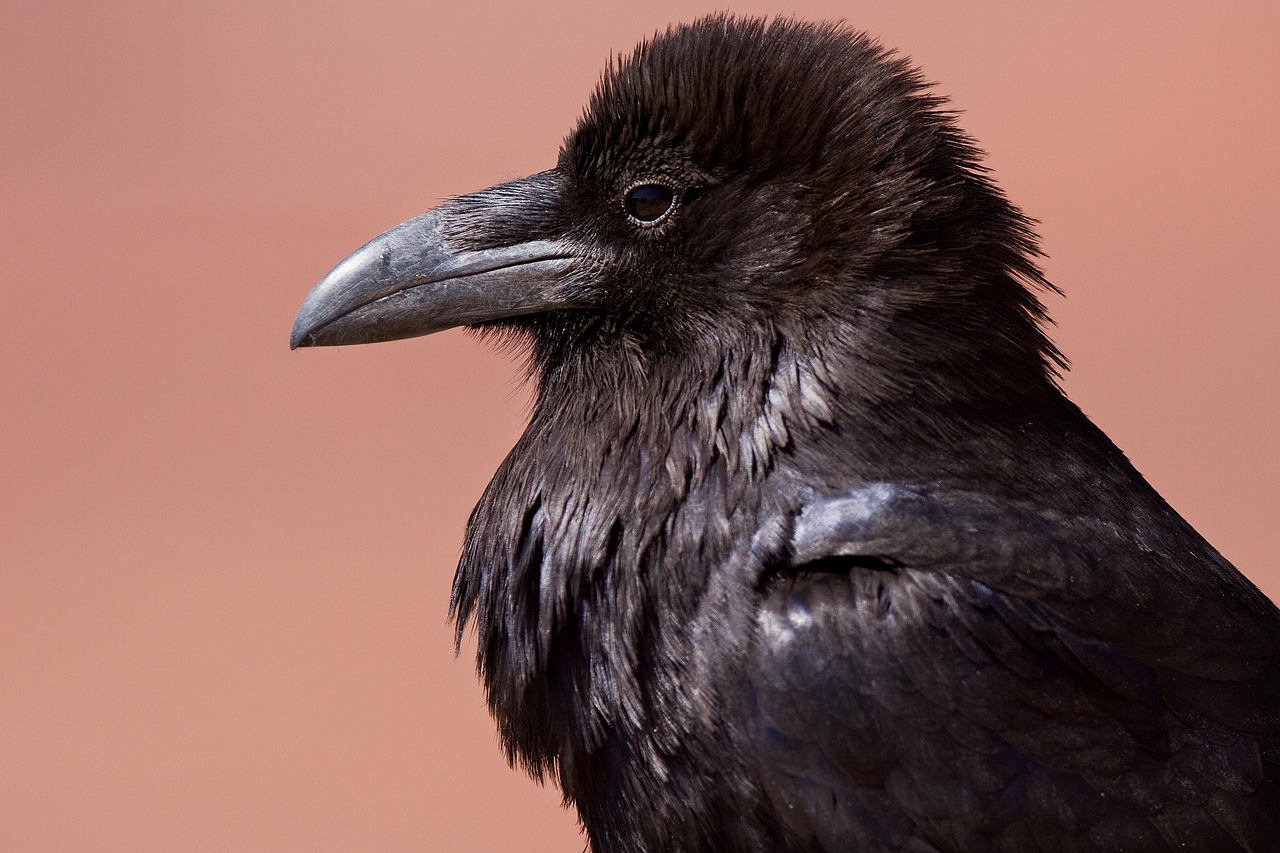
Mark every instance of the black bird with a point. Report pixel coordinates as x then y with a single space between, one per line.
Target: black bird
803 548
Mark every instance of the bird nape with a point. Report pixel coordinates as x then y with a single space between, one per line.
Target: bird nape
803 549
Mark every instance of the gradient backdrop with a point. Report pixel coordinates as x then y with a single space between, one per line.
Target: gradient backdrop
224 567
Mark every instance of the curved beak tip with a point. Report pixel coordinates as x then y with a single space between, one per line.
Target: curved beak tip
300 334
304 325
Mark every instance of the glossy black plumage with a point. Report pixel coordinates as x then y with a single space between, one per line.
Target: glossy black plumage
803 549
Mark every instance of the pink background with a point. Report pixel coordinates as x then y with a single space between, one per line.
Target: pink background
224 567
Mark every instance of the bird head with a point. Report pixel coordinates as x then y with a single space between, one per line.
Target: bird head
730 180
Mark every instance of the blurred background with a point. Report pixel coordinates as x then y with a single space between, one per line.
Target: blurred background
224 567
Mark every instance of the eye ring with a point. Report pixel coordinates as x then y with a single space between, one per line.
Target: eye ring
648 203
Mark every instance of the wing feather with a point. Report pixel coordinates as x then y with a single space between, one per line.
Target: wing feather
948 670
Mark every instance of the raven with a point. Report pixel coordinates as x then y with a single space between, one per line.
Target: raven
803 548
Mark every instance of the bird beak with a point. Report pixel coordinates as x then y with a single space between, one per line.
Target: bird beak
422 277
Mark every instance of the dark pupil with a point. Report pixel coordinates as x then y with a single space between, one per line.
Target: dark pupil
649 201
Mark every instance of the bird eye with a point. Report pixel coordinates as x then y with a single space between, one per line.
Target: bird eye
649 203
